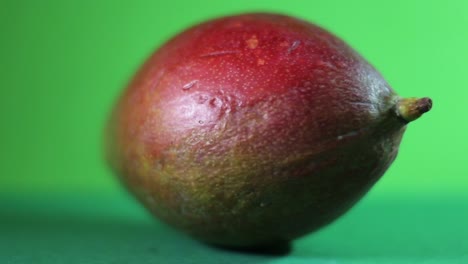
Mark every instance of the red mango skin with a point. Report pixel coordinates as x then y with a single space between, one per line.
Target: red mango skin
253 129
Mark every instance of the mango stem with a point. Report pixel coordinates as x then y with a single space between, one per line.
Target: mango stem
410 109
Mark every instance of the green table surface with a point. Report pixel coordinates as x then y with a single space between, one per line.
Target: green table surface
115 229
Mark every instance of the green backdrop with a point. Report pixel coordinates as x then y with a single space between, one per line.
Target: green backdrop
62 64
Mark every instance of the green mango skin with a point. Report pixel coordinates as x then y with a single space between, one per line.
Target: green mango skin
253 129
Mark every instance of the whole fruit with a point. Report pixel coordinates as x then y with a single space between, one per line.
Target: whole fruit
254 129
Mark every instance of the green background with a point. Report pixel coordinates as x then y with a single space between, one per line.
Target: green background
62 64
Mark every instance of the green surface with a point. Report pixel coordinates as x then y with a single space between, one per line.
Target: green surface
111 229
62 64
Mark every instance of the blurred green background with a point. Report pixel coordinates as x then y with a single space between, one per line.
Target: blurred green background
63 63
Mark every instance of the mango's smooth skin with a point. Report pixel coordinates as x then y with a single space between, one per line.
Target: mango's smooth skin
255 129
